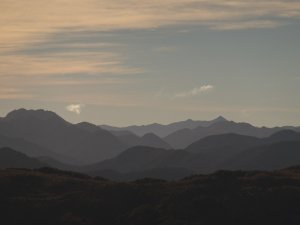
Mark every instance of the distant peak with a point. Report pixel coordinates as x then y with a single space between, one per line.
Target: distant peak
220 119
189 120
39 113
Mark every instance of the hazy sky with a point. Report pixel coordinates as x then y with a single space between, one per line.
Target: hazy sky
126 62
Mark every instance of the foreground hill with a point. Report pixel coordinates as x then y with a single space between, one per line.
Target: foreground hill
50 131
50 197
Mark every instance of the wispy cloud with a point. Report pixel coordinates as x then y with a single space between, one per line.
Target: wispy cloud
43 45
9 93
194 92
75 108
241 25
43 17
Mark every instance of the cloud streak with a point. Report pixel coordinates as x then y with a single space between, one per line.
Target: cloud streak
194 92
44 17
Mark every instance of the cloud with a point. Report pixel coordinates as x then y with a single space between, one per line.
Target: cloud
62 37
239 25
194 92
75 108
44 17
10 93
51 63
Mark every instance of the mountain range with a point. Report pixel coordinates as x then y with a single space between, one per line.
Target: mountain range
121 154
50 131
164 130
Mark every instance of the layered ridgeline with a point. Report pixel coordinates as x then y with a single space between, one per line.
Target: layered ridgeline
180 135
48 196
48 130
44 133
123 155
164 130
227 151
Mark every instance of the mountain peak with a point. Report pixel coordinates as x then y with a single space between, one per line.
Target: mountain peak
220 119
150 135
39 114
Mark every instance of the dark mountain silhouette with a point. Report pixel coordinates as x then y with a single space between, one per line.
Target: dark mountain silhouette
53 163
267 157
129 139
31 149
142 158
283 135
120 133
150 139
206 155
232 140
88 126
10 158
229 141
219 148
164 130
183 138
52 132
48 196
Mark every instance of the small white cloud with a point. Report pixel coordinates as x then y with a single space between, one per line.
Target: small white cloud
75 108
194 91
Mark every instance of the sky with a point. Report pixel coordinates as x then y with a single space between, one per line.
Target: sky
123 62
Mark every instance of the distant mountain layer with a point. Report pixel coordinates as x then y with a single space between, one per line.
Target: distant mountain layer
50 131
48 196
10 158
163 130
43 134
227 151
150 140
267 157
183 138
31 149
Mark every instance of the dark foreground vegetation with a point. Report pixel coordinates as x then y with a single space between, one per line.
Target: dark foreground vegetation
52 197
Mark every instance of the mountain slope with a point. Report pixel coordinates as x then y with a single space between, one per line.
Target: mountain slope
31 149
267 157
143 158
52 132
154 141
228 141
206 155
183 138
164 130
10 158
